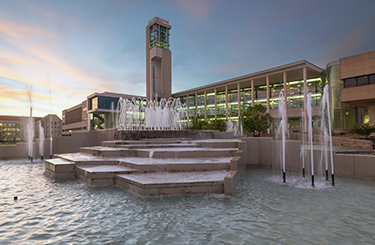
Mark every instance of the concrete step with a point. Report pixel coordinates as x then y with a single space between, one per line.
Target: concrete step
115 143
148 146
160 184
101 175
87 159
59 168
102 151
218 144
144 165
186 152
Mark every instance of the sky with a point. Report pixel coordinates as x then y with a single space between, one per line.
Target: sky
59 52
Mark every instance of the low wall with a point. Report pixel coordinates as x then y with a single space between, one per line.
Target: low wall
20 150
71 144
263 151
147 134
337 141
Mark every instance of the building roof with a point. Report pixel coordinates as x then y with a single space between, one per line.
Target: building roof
5 118
254 76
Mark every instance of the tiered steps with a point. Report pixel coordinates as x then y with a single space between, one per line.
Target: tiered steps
145 165
101 175
59 168
151 167
162 183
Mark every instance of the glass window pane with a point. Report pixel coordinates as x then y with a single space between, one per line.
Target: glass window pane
350 82
372 79
362 80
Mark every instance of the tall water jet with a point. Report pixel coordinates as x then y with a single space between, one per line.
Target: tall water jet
164 115
326 132
309 126
282 129
41 140
302 153
30 128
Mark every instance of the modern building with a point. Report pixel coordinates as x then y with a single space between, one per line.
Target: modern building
13 128
351 81
95 113
52 125
158 60
229 98
352 92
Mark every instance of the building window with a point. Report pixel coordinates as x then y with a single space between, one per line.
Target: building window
233 104
275 90
221 107
200 102
372 79
210 101
191 105
245 98
260 95
362 80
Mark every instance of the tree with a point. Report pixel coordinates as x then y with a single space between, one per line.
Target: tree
255 119
365 130
198 123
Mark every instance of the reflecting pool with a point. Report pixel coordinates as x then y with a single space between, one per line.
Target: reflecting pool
263 210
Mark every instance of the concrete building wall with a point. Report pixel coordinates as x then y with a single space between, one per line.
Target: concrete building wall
357 65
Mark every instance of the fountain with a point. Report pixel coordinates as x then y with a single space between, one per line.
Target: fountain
326 131
30 128
302 152
282 129
164 115
41 140
309 127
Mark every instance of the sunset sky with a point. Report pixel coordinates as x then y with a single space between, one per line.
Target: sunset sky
66 50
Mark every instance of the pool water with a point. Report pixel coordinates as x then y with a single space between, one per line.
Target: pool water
262 211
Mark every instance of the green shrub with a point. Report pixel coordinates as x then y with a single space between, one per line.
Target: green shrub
365 130
198 123
255 119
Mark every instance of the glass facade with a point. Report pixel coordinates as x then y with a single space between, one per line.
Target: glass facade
315 87
295 96
260 95
210 100
221 107
191 105
159 36
233 105
102 102
275 90
200 103
245 98
343 116
97 121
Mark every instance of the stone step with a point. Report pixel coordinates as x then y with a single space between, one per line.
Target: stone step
186 152
59 168
147 146
102 151
115 143
101 175
144 165
160 184
218 144
87 159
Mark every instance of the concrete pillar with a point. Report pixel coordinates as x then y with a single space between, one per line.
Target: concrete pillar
371 111
215 101
285 97
252 92
187 106
196 104
305 92
226 101
239 100
205 105
268 93
268 98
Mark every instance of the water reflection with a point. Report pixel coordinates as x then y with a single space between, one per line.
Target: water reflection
262 210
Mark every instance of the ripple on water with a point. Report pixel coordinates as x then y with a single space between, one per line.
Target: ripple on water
263 210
